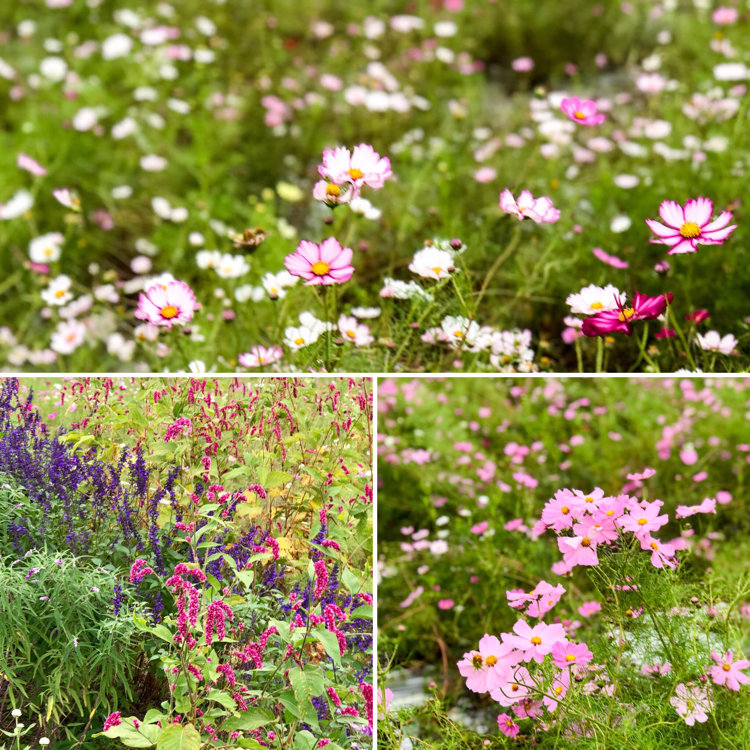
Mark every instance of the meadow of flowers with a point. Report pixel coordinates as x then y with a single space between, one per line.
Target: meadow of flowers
564 563
186 563
431 185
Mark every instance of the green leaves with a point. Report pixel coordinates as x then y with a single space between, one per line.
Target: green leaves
248 720
144 736
330 642
179 738
307 683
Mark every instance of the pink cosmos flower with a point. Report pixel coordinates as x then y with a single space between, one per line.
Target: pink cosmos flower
534 643
643 519
707 506
540 599
24 161
691 703
515 684
688 227
363 166
507 726
480 668
560 511
577 550
645 474
589 608
713 341
167 304
727 670
259 356
355 332
661 554
656 668
582 111
566 655
332 194
610 260
539 210
643 307
327 263
557 690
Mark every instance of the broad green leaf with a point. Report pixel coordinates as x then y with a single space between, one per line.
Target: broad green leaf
248 720
330 642
179 738
222 698
277 479
363 611
307 683
125 731
304 740
351 581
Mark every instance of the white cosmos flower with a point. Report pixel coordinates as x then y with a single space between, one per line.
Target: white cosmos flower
58 292
68 336
432 263
17 206
232 266
276 284
46 248
713 341
593 299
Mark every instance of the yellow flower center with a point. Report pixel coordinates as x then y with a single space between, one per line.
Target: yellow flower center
585 542
437 269
47 251
320 268
558 690
476 661
333 190
690 230
642 521
515 688
355 173
579 115
60 293
610 512
509 722
726 667
169 312
654 545
596 306
570 657
626 313
458 334
536 640
490 661
351 334
299 340
589 499
565 510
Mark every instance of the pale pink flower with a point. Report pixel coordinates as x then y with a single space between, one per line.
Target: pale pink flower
260 356
661 554
534 643
577 550
362 166
539 210
713 341
728 671
708 505
24 161
688 227
327 263
642 519
332 194
691 703
567 655
582 111
514 686
557 690
589 608
560 511
479 667
355 332
68 336
67 198
167 304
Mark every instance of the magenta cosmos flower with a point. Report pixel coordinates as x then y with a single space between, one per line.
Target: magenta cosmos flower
582 111
327 263
727 670
362 166
688 227
622 318
167 304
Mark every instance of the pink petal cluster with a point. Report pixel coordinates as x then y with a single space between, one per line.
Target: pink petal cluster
345 172
728 670
621 319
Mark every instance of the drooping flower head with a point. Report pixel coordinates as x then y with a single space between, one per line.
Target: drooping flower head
327 263
167 304
622 318
582 111
688 227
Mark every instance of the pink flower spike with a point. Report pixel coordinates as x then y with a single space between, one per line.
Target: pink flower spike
327 263
582 111
167 304
728 671
686 228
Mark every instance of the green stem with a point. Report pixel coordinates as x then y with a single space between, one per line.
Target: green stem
599 353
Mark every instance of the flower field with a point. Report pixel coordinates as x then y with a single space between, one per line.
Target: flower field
433 185
186 563
563 563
